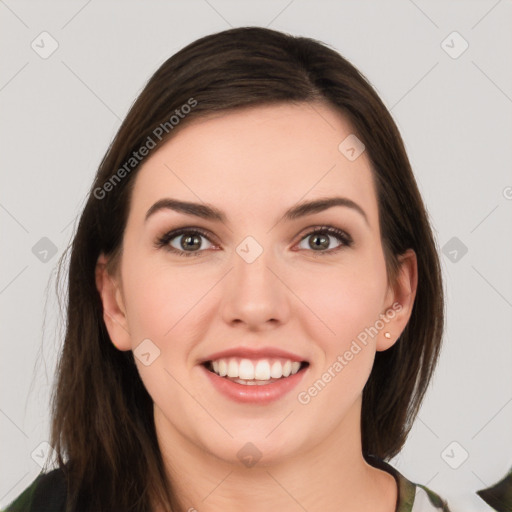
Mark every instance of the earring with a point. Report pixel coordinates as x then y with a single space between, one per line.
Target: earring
387 335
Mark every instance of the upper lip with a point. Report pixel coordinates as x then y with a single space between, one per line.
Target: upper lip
254 353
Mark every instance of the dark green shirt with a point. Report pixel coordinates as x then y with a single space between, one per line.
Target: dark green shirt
499 496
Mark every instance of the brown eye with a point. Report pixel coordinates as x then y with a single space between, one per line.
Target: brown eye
320 239
189 242
183 242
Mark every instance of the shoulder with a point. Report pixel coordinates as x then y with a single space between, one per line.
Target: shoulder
46 493
411 497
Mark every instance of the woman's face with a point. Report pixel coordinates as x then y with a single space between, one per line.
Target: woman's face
259 294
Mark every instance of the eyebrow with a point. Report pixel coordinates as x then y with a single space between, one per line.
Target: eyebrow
209 212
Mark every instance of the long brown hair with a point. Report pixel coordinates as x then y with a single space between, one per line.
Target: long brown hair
102 416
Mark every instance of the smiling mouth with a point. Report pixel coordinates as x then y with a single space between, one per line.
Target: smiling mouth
255 372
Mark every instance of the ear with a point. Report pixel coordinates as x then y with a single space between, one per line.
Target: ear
399 300
114 313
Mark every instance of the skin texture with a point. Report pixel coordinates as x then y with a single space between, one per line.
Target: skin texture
254 164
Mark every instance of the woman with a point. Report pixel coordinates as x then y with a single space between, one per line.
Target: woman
255 297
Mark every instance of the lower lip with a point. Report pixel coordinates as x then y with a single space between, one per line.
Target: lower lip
257 394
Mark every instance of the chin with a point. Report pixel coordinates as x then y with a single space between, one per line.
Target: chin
254 447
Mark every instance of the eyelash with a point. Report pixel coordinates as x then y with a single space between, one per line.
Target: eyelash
163 242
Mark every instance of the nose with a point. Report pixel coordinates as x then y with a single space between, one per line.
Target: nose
255 293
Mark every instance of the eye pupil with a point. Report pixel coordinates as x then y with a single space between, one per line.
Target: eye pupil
191 242
324 241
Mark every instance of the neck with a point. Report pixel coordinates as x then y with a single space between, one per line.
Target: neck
332 475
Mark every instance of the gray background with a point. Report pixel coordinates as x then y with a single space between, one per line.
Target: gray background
59 114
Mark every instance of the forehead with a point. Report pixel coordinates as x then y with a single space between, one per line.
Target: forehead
262 159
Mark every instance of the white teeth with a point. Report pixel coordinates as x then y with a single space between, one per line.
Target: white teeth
255 370
223 368
276 371
262 370
232 368
246 369
253 382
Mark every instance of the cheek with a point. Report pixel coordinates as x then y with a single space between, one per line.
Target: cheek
344 301
161 307
159 300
